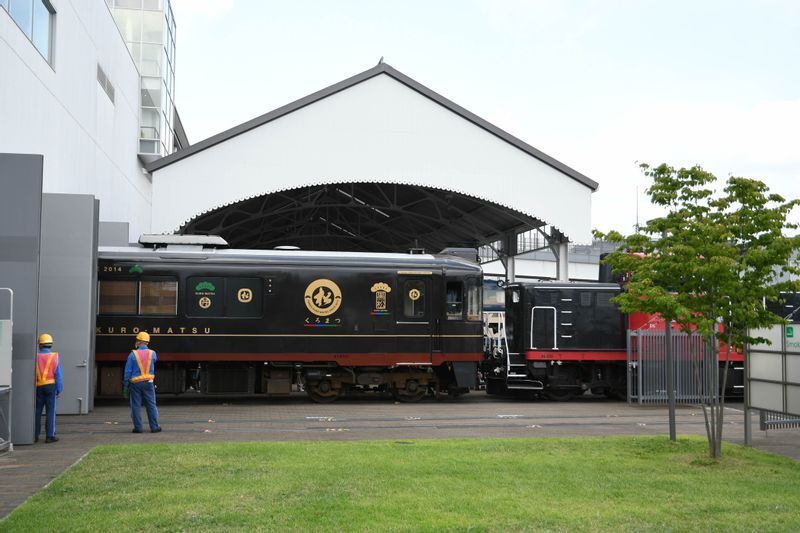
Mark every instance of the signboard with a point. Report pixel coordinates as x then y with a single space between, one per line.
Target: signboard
773 370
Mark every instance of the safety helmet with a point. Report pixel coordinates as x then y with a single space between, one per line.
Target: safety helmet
143 336
45 338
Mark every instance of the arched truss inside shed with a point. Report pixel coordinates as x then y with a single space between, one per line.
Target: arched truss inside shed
374 217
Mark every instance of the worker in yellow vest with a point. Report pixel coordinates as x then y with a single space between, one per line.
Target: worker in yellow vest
49 381
140 371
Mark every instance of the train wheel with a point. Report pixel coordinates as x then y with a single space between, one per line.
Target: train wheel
413 392
560 395
322 391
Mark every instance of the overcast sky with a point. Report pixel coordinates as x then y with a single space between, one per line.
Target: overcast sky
598 85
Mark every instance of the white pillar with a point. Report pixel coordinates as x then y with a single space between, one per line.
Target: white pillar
562 261
510 270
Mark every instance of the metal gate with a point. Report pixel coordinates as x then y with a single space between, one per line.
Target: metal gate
772 420
647 367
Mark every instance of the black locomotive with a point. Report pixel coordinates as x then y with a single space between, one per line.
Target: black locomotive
273 321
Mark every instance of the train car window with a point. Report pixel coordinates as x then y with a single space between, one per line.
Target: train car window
117 297
414 299
455 300
586 299
243 297
515 296
474 304
204 296
158 297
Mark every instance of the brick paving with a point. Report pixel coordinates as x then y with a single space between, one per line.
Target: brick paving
29 468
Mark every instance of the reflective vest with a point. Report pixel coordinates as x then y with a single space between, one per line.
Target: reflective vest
46 364
143 359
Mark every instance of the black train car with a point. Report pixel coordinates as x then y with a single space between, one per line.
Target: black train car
562 338
272 321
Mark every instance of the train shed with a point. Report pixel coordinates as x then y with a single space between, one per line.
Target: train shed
377 162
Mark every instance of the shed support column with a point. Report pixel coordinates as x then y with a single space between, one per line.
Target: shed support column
562 261
510 273
509 250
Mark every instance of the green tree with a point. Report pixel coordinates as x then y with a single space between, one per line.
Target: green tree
709 263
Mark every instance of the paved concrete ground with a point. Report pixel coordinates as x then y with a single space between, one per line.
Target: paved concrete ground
29 468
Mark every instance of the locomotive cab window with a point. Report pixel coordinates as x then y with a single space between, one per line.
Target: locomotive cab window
474 304
158 297
414 299
455 300
117 297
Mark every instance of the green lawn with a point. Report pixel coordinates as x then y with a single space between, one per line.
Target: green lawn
607 484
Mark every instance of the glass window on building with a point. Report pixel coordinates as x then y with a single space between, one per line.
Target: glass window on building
35 19
151 60
129 23
414 299
152 25
22 13
455 300
117 297
129 4
150 123
474 303
151 92
158 298
43 27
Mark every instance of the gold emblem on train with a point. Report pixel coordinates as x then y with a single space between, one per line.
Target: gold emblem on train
414 295
204 302
323 297
381 290
245 296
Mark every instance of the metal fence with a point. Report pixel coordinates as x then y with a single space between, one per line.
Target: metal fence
772 420
647 367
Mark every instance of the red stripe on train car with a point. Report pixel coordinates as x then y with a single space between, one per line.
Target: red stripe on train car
344 359
536 355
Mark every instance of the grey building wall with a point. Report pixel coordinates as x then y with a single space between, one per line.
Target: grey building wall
20 228
67 298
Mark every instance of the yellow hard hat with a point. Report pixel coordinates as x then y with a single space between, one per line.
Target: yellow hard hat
143 336
45 338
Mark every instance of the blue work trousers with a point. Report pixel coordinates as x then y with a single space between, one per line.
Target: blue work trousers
46 399
143 390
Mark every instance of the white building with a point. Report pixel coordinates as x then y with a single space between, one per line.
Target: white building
70 90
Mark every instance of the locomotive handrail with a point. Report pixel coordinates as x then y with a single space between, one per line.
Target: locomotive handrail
555 322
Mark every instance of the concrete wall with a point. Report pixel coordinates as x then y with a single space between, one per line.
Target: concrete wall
89 143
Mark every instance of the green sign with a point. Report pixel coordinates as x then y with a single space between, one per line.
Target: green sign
205 286
789 332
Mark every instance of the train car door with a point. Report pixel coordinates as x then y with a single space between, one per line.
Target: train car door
544 317
415 325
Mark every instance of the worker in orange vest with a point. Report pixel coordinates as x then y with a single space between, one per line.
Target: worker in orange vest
140 371
49 381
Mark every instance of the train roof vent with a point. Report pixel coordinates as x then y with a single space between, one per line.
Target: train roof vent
470 254
286 247
182 241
